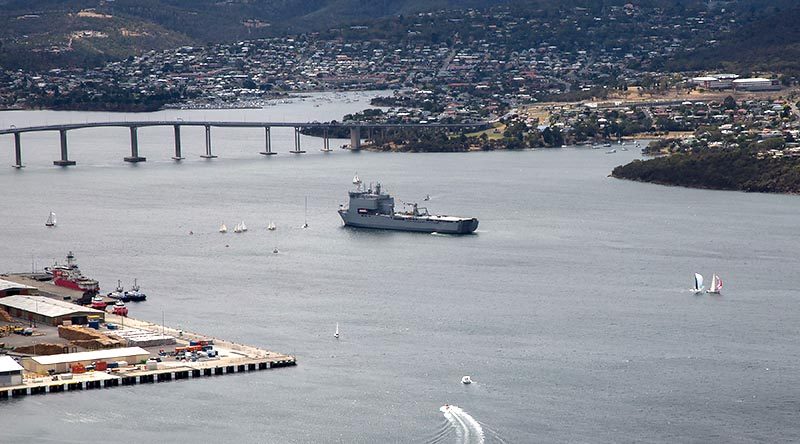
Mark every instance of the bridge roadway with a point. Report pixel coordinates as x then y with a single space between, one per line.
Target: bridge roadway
133 126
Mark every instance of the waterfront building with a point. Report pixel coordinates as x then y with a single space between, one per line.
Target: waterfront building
62 363
10 372
47 310
8 288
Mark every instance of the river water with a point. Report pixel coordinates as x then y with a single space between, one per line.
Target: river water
569 307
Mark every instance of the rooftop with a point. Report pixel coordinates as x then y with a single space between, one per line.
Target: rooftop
8 364
96 355
6 285
45 306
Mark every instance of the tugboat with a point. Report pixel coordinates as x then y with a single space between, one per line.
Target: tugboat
135 295
372 208
98 302
120 309
70 276
118 293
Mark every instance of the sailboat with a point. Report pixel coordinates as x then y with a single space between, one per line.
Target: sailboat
698 283
716 285
271 226
243 227
305 216
336 334
223 228
51 220
237 228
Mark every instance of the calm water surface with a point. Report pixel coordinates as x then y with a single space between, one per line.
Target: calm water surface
569 307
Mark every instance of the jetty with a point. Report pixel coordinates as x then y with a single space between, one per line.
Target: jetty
42 351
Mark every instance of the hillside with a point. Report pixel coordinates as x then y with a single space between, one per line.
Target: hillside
767 39
737 170
61 33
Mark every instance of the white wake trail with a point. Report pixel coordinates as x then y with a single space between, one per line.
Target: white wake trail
468 429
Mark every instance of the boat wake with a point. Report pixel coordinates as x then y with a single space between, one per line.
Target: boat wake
467 429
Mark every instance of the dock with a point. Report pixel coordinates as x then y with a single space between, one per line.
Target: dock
158 341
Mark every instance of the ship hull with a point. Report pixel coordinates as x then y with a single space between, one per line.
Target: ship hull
74 285
420 225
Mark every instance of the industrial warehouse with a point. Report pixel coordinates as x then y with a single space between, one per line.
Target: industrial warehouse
65 362
48 311
10 288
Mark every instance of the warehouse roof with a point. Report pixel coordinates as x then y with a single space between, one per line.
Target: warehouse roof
6 285
45 306
8 364
97 355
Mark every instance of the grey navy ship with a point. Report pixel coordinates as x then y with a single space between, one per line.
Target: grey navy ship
374 208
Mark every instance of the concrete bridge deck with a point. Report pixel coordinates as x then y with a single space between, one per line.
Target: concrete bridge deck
133 126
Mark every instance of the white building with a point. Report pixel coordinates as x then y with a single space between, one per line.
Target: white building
10 372
756 84
716 81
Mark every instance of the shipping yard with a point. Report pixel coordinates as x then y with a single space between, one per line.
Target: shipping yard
50 343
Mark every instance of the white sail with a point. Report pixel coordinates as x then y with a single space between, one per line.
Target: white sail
698 282
356 180
242 226
223 228
336 334
716 284
51 220
271 226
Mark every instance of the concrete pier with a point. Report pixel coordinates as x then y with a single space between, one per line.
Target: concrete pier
267 143
297 149
326 142
232 358
64 154
208 154
178 155
134 157
18 151
355 138
100 380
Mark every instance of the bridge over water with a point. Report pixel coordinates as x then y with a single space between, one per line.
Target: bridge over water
133 126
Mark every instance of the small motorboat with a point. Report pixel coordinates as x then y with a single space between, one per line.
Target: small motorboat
98 302
275 250
466 380
611 151
120 309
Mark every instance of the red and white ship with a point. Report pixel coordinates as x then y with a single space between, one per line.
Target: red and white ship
120 309
70 276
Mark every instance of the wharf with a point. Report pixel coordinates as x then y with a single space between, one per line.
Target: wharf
232 357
